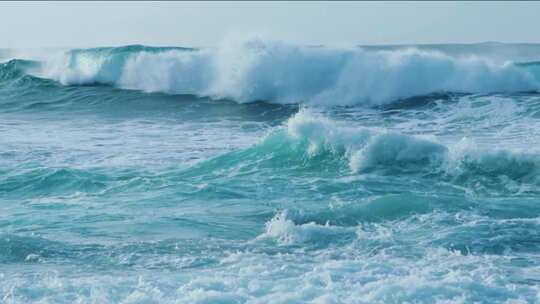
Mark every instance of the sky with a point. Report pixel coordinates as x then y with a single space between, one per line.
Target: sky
86 24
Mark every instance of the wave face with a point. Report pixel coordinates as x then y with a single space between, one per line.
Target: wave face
255 70
147 175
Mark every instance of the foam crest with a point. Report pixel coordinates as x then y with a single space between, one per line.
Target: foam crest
254 69
365 148
284 230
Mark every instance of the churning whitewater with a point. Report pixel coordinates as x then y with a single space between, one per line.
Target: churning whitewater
262 172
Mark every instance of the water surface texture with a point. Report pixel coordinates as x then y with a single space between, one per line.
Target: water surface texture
260 172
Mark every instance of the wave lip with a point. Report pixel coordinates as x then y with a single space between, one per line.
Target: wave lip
255 70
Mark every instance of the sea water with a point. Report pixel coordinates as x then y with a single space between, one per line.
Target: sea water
264 172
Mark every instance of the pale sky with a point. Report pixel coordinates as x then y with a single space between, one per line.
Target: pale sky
80 24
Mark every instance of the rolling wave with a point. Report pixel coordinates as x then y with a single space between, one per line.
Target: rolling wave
256 70
313 143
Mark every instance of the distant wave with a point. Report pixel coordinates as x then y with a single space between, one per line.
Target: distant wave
256 70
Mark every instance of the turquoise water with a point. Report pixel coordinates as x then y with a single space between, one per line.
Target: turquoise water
270 173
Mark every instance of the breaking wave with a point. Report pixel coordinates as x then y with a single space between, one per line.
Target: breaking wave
257 70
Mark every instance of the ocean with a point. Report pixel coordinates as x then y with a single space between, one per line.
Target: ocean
263 172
